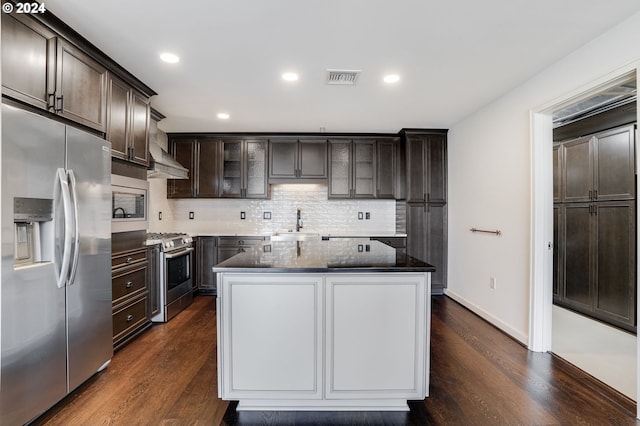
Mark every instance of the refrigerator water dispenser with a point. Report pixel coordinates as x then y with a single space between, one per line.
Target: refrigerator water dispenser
32 220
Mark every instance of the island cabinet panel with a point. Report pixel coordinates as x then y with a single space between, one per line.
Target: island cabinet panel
372 325
323 341
272 336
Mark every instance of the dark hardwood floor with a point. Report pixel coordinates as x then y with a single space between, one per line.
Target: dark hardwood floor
479 376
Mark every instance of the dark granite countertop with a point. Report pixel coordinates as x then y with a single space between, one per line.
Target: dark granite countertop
316 255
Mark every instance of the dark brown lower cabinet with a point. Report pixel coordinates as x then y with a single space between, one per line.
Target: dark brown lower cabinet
427 239
206 259
594 262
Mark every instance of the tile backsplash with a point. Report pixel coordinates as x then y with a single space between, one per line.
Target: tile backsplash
318 213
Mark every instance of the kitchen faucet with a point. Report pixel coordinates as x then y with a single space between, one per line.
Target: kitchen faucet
298 221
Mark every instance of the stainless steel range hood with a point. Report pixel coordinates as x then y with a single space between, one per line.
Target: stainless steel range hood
163 165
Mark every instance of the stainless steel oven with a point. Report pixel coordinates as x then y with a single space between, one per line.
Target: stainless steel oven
176 275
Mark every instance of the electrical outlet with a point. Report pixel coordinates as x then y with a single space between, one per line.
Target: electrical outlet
192 215
360 216
159 215
492 283
367 215
266 215
243 215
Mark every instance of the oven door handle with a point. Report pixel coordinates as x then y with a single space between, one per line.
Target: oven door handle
178 254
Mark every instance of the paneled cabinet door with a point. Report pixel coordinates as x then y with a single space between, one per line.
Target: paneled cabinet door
372 354
386 169
271 352
557 173
208 169
577 239
28 58
312 159
426 167
577 169
615 164
283 159
340 175
139 129
293 159
118 118
364 169
255 184
80 87
232 169
427 239
206 258
183 150
615 259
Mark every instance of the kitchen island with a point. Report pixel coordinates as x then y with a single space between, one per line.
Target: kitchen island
323 325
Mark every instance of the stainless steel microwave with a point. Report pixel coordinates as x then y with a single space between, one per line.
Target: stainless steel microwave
129 204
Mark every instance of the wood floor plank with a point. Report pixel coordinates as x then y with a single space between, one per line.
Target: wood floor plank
479 376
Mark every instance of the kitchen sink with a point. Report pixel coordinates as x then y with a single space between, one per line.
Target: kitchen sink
294 236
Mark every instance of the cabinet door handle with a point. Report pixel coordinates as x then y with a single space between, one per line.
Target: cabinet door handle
595 194
129 260
590 196
59 104
424 197
129 318
428 197
51 101
129 284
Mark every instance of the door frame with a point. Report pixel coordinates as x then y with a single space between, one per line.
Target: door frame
541 226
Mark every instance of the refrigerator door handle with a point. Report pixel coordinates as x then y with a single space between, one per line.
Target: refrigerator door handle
76 228
68 223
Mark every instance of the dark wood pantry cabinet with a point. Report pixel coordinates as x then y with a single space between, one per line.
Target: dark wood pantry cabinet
426 186
595 226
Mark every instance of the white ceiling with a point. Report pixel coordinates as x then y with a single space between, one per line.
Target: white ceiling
454 56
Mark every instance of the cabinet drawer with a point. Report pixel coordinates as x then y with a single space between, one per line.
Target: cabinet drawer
239 241
128 258
128 283
129 318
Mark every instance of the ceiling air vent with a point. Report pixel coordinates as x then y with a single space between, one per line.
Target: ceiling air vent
342 77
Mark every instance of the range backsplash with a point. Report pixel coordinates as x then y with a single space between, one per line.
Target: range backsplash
319 214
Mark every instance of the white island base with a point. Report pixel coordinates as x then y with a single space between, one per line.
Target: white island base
323 341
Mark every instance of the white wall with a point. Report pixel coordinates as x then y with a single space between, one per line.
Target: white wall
490 181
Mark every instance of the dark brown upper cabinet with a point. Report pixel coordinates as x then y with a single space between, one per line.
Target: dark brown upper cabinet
599 167
297 160
202 158
426 158
128 116
46 71
352 168
557 173
388 169
244 168
24 41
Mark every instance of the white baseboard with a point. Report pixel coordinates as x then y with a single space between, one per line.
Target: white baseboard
519 336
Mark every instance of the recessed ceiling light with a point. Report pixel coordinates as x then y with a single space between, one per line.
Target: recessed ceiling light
290 76
169 58
391 78
223 116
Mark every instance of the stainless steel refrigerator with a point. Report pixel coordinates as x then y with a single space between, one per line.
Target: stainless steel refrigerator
56 326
